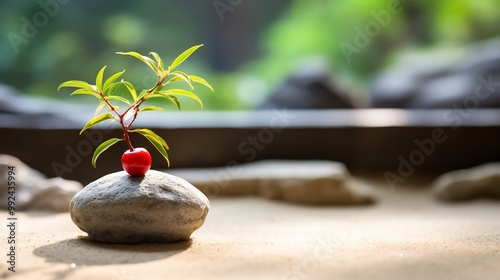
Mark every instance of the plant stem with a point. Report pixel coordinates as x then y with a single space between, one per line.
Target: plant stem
160 81
109 104
135 107
125 138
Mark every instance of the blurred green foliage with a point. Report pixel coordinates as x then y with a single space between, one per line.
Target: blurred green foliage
318 29
63 41
248 51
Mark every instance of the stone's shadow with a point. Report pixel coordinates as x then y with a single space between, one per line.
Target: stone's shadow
82 251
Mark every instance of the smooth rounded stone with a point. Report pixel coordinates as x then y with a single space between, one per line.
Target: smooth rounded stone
158 207
310 182
478 182
33 190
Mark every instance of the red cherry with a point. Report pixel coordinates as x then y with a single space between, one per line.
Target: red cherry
136 162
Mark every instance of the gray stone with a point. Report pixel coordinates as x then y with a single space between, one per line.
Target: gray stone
441 79
311 87
310 182
22 110
33 190
479 182
55 194
158 207
452 89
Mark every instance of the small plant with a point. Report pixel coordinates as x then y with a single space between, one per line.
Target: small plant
136 161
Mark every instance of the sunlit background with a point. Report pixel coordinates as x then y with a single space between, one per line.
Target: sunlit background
250 45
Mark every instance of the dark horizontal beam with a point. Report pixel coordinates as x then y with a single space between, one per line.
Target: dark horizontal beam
374 141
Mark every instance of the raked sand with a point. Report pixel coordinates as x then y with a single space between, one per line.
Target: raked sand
406 235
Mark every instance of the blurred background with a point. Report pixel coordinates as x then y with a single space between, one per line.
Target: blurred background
258 49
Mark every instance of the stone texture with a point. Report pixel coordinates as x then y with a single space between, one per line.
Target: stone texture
33 190
312 182
479 182
158 207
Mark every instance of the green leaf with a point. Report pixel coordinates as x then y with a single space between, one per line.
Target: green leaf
159 147
181 92
175 100
77 84
158 60
96 120
183 56
172 98
119 98
103 147
98 79
84 91
184 77
175 79
142 94
113 88
149 62
150 108
145 131
112 79
200 80
131 89
156 140
100 107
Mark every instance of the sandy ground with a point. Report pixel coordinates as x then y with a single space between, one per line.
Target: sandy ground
407 235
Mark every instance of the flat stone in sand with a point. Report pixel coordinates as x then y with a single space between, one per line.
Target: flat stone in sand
479 182
33 190
310 182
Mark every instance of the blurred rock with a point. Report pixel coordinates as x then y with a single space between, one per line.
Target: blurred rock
55 195
300 182
19 110
479 182
33 190
312 87
158 207
467 78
